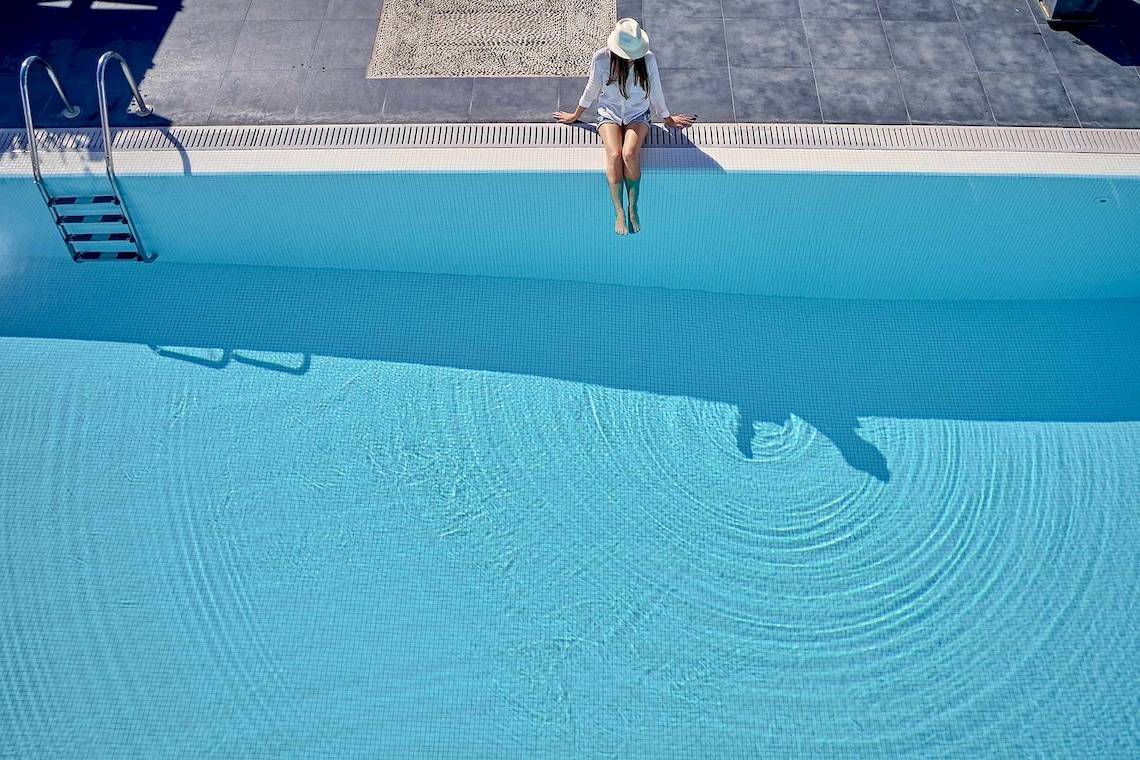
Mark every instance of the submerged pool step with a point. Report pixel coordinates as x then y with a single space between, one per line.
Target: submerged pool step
100 237
103 242
80 200
100 223
103 208
108 256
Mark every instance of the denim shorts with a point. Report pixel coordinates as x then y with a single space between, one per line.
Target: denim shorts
605 118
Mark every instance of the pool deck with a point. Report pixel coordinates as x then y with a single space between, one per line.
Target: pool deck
240 62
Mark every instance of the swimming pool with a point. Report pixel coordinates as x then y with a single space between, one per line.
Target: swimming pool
382 463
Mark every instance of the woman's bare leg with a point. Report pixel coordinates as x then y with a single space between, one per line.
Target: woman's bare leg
632 141
611 138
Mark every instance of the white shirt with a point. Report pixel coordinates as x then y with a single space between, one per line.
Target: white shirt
611 104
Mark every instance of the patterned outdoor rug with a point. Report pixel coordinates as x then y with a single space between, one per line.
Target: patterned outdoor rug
489 38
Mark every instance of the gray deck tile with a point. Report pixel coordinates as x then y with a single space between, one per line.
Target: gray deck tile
1008 47
703 92
1029 98
514 99
182 53
286 10
1105 100
10 108
358 9
629 9
191 45
274 45
59 52
995 11
1092 50
442 100
181 97
758 44
917 10
848 9
339 96
935 45
945 97
847 44
685 8
687 42
215 10
761 9
258 97
570 90
861 96
344 44
778 95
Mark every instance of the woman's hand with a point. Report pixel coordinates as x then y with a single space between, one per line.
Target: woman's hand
679 120
565 117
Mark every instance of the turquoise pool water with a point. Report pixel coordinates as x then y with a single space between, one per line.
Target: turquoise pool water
336 510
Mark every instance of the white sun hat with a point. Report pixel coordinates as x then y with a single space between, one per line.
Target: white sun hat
629 40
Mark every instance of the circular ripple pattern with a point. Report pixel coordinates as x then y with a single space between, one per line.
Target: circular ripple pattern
793 590
602 570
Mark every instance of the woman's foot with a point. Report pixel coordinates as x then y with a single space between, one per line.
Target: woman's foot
619 224
634 222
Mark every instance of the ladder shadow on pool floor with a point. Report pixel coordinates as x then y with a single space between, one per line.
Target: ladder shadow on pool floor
829 363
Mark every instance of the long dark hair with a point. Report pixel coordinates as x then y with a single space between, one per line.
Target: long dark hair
619 72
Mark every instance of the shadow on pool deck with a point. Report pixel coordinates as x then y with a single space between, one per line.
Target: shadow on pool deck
827 362
71 38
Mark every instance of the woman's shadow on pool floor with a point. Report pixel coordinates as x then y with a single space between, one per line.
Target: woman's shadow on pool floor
829 363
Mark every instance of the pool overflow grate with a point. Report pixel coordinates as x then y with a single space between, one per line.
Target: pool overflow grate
1013 139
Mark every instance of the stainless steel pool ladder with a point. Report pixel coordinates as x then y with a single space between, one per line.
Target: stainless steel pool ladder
94 227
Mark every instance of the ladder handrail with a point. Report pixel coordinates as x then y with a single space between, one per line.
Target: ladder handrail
70 111
144 110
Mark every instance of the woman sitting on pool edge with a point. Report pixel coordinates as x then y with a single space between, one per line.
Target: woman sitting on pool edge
623 111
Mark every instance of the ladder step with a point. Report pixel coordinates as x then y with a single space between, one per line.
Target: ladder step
67 200
96 237
122 244
87 209
92 219
107 256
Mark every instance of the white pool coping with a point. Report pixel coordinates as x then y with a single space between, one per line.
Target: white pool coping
553 147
